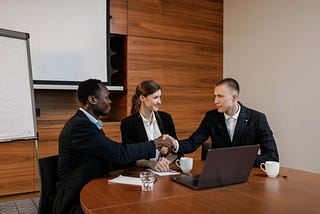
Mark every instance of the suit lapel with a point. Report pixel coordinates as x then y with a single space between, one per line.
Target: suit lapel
223 128
140 128
241 124
159 121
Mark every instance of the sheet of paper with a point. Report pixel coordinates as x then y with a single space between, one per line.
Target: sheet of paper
126 180
171 172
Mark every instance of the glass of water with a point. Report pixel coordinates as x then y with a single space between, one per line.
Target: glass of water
147 180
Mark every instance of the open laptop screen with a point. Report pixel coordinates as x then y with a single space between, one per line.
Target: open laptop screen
222 167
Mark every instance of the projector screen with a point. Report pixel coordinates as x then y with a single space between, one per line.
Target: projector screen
67 38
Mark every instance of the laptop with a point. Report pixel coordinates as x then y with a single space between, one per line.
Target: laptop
223 166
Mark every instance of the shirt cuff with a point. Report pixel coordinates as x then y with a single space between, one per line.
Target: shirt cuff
177 149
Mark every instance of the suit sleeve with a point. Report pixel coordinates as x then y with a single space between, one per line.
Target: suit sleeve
93 141
196 139
171 130
266 141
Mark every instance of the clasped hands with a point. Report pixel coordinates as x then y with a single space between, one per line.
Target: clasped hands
164 143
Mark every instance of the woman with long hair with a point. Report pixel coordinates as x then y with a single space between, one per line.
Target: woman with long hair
147 123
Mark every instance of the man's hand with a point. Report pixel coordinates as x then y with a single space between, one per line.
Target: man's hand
173 141
165 140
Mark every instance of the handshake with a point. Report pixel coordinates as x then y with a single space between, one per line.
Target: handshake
165 141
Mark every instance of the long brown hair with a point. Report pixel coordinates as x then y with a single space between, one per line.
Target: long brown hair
145 88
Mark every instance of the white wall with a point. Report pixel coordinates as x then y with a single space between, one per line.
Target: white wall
273 49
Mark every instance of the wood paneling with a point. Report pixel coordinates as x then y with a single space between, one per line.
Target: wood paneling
16 167
186 71
187 20
179 44
55 105
119 13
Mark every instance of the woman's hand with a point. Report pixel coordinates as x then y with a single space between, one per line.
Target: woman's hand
162 165
164 150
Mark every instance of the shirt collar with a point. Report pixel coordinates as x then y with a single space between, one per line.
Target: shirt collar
95 121
147 121
235 116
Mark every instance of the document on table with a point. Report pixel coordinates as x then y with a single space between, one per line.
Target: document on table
136 181
171 172
126 180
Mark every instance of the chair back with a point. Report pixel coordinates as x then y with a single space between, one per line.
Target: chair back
48 176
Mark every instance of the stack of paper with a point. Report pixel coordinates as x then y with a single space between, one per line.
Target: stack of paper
136 181
126 180
171 172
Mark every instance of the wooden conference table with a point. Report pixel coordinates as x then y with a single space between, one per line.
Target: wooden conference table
293 191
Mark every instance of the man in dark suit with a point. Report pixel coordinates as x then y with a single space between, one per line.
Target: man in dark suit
86 153
232 124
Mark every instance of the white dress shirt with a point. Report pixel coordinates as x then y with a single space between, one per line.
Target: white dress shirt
231 122
152 130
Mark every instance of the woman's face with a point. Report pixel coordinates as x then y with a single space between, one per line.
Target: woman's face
151 102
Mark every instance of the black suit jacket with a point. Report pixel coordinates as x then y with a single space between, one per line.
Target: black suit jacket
133 131
251 128
86 153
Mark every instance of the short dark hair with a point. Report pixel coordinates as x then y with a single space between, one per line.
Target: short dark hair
231 83
88 88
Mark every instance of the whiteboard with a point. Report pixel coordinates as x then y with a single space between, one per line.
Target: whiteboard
68 39
17 113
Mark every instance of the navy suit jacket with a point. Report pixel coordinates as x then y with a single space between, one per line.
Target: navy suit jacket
252 128
86 153
133 131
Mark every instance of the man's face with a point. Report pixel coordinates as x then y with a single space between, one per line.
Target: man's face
102 102
225 99
152 101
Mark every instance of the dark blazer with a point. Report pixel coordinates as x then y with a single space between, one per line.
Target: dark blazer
133 131
251 128
86 153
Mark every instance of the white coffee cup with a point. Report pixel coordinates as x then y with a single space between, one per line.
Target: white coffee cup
271 168
185 164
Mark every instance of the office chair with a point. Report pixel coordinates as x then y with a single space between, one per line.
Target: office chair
204 149
48 176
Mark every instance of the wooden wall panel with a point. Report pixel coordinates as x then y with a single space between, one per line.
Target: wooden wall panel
187 20
119 13
56 106
186 71
179 44
16 167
